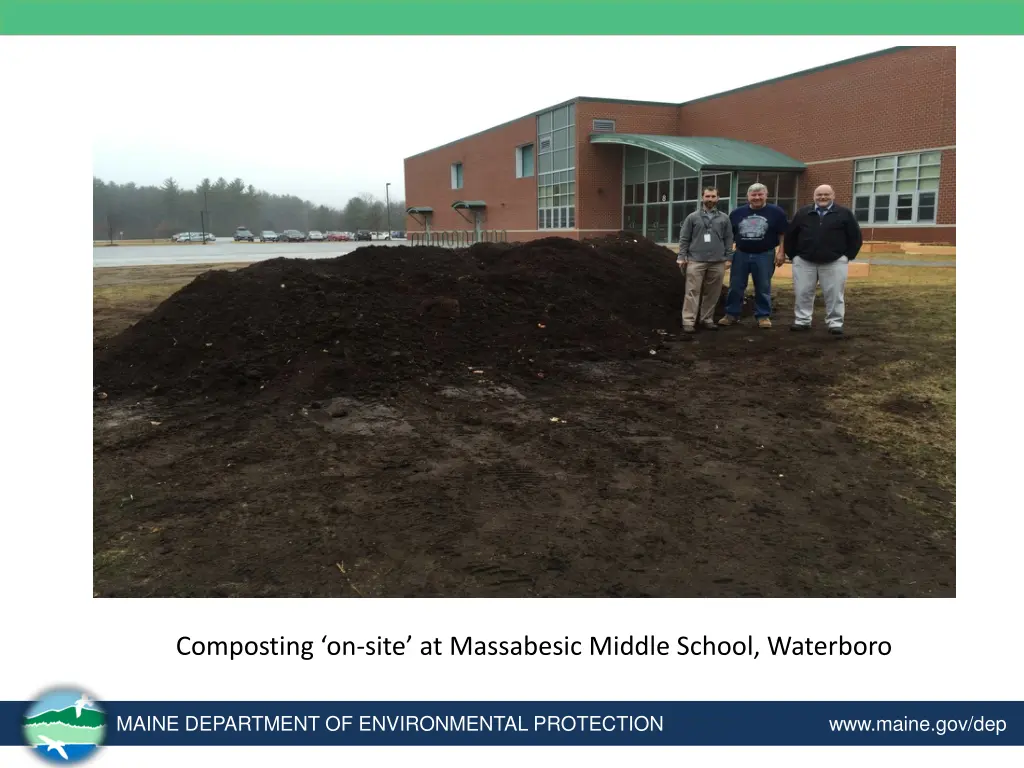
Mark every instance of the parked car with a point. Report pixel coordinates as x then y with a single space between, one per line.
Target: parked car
315 235
196 237
364 234
268 236
291 236
241 233
398 235
339 236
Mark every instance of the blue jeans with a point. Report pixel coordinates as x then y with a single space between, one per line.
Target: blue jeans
762 267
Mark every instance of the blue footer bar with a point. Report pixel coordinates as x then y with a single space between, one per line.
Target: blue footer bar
550 723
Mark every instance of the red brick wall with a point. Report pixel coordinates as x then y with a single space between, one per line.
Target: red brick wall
899 102
931 235
947 188
838 175
599 166
489 174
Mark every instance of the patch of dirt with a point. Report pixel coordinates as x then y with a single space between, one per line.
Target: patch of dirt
264 466
906 405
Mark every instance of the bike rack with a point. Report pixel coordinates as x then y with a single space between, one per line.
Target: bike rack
456 238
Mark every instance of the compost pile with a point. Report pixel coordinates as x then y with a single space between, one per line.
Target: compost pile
379 317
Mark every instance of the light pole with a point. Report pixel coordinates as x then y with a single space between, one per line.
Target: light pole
387 198
205 217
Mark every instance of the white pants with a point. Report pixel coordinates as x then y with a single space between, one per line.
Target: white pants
832 277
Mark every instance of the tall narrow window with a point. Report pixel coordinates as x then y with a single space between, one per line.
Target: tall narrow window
524 161
552 158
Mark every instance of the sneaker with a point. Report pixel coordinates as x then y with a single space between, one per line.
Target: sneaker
689 329
836 331
799 327
709 326
764 322
728 320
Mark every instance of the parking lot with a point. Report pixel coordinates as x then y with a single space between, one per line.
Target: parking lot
222 251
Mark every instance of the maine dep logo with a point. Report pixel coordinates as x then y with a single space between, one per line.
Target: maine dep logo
65 726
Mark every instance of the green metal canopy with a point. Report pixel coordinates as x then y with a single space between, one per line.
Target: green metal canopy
419 209
701 152
469 204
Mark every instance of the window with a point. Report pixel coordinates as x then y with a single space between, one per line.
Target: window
723 183
524 161
657 193
679 213
781 186
862 208
456 175
556 168
897 189
926 207
633 218
657 222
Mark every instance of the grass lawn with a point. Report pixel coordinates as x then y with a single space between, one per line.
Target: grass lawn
878 402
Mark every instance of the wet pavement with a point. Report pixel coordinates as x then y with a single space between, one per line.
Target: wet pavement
903 263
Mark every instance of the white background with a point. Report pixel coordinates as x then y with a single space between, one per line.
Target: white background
942 649
194 107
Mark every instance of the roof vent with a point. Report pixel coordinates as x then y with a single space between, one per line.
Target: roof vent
545 144
604 126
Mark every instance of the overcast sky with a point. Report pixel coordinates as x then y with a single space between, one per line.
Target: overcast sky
329 118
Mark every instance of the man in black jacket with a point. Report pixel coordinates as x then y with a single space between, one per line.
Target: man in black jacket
822 240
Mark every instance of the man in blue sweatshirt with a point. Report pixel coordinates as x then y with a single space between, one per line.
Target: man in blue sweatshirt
759 227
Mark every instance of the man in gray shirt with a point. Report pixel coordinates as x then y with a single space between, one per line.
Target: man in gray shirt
705 242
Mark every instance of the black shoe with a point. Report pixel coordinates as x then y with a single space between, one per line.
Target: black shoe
709 326
798 327
836 331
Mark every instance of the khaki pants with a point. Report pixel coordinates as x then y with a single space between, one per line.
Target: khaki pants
703 287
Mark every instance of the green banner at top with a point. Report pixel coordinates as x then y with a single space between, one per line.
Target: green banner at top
510 17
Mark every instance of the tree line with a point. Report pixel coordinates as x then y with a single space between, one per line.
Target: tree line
136 212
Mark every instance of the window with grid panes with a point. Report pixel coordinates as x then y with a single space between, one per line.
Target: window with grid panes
556 168
657 194
782 188
721 181
897 189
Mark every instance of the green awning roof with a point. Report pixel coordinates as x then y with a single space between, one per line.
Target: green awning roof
469 204
419 209
700 152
